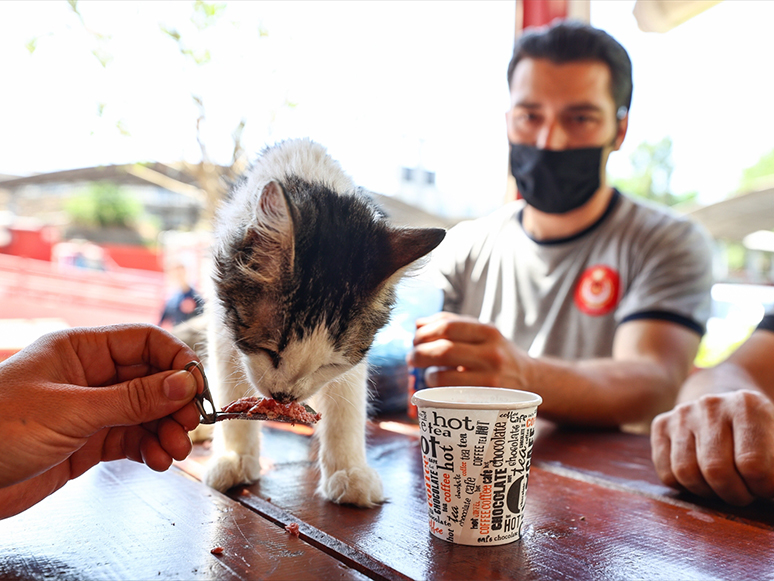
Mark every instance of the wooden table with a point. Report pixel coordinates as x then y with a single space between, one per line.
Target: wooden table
595 510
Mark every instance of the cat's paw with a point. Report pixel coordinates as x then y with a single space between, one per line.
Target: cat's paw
201 433
229 469
360 486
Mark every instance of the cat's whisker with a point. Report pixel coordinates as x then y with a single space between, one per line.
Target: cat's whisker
260 379
335 398
350 402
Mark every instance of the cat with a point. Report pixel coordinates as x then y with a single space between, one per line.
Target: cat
305 268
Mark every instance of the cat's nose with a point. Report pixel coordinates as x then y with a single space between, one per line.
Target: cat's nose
283 397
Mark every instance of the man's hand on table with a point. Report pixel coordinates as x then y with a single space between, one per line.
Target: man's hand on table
461 350
721 444
78 397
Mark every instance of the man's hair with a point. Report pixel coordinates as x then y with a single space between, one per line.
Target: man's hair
570 41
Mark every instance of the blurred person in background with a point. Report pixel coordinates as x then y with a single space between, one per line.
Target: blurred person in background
593 300
185 303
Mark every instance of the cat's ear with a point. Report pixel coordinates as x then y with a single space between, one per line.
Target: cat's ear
410 244
273 211
270 235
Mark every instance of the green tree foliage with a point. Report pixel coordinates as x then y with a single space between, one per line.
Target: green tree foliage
651 177
100 51
205 14
105 205
759 175
191 38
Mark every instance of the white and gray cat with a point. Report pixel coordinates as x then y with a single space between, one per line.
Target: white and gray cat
304 269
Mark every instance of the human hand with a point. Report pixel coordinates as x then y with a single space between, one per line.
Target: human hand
719 444
461 350
78 397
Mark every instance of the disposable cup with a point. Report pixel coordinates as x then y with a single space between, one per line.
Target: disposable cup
476 451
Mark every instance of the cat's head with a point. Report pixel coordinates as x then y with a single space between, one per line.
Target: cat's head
308 282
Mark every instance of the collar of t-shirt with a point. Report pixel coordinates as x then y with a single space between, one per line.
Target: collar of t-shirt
609 210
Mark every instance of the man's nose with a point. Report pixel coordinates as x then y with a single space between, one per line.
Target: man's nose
551 136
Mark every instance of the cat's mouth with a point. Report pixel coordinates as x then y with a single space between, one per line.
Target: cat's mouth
283 397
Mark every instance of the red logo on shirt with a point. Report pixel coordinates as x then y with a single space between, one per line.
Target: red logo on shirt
598 290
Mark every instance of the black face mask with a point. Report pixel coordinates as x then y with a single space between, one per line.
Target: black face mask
556 182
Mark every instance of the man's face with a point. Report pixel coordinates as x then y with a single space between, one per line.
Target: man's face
564 106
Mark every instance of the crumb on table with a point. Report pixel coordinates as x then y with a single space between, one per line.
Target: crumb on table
293 529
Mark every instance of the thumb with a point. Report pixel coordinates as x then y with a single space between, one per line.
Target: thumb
143 399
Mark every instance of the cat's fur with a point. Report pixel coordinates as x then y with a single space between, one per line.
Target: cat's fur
305 269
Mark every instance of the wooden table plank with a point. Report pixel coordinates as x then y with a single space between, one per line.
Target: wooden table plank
123 521
575 528
594 533
623 460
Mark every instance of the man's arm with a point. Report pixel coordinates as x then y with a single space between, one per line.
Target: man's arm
650 360
750 367
720 439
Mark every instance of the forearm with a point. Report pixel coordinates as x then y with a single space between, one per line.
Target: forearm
602 392
723 378
749 367
650 360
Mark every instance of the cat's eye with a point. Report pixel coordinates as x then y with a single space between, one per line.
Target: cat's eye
273 355
237 317
331 366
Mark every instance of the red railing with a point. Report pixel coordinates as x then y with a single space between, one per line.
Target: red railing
32 288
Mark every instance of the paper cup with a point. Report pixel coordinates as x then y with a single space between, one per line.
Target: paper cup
476 448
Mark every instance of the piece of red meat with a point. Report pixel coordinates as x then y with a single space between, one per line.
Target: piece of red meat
272 409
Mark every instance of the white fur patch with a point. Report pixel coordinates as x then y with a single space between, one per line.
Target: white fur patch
305 367
299 157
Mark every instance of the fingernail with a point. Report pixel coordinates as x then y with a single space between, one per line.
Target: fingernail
180 386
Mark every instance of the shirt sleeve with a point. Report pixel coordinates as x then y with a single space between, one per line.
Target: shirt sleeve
673 276
448 268
767 323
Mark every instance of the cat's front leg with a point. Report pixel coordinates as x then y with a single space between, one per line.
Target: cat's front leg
345 476
236 445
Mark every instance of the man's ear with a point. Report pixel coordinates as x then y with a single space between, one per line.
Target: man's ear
623 125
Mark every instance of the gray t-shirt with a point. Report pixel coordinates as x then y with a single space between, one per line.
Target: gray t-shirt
565 298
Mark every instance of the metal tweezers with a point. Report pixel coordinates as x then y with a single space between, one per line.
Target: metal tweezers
209 415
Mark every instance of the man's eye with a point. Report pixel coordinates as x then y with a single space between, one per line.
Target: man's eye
527 118
582 119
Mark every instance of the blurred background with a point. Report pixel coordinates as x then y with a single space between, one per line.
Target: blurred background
121 122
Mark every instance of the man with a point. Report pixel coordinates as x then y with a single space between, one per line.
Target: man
185 304
577 293
720 440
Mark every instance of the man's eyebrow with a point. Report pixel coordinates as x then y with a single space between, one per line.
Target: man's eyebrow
577 108
583 108
528 105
